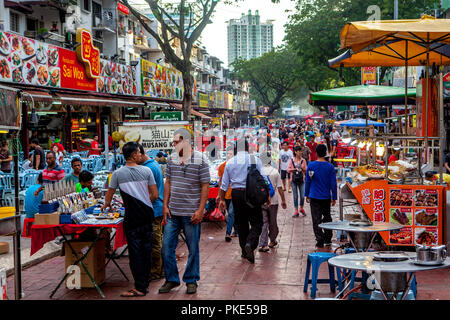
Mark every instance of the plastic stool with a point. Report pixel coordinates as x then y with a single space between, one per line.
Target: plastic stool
354 278
377 295
316 259
413 287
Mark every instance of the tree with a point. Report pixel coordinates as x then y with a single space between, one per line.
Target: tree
272 76
314 33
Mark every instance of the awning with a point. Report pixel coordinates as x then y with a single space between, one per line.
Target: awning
37 96
193 112
18 6
90 100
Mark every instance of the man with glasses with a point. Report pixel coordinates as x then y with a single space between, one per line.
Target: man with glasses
138 190
185 194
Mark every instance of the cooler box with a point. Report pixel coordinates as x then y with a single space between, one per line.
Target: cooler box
94 262
6 212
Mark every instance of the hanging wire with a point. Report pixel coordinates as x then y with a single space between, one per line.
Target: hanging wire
15 147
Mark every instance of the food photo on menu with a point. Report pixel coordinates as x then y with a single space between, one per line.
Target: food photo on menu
426 198
426 217
402 216
426 236
401 198
403 236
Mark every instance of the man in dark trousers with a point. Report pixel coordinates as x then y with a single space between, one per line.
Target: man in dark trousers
321 193
235 176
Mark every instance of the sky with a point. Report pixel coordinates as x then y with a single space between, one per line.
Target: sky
214 37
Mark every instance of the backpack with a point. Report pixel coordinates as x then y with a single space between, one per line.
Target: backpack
297 177
257 190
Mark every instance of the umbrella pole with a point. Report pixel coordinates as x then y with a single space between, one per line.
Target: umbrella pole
406 88
427 72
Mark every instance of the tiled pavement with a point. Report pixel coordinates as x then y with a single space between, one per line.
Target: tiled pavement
277 275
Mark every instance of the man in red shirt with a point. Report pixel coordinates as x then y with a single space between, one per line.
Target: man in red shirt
395 156
95 150
312 146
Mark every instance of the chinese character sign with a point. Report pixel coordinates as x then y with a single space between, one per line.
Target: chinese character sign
88 54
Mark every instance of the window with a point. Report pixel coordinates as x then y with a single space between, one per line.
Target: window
14 22
96 14
86 5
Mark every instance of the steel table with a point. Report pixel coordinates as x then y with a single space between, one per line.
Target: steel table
361 237
364 261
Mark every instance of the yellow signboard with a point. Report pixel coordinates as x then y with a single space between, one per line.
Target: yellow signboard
203 100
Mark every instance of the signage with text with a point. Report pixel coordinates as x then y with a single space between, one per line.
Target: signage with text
73 75
88 54
369 75
167 116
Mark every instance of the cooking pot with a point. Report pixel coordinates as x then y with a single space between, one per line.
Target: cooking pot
431 255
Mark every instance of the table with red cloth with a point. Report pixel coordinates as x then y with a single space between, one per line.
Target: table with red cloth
41 234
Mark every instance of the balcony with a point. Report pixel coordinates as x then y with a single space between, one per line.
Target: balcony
47 37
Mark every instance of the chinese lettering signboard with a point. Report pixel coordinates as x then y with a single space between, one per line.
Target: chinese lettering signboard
161 82
73 75
418 208
88 54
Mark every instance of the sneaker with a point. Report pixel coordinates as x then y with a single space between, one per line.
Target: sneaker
273 244
167 286
249 254
227 238
264 249
191 288
295 215
235 235
290 191
303 212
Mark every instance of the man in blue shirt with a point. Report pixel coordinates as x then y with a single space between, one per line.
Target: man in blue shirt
157 270
32 202
321 193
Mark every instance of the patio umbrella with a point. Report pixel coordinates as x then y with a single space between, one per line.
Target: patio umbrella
431 33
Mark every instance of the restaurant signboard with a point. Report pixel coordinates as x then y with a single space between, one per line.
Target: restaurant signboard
161 82
88 54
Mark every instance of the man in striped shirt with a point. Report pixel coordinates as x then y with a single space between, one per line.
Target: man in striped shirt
52 173
185 194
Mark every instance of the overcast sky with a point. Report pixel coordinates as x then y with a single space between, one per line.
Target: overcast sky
214 37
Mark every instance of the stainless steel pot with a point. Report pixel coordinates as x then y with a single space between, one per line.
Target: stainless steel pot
431 254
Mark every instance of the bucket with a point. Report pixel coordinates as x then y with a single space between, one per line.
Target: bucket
7 212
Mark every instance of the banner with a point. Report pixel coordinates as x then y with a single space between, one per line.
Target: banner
447 85
167 116
73 75
9 109
117 78
161 82
152 136
203 100
369 75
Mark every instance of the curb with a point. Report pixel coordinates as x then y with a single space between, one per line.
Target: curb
34 262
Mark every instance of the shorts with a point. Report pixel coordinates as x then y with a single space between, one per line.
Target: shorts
284 174
334 143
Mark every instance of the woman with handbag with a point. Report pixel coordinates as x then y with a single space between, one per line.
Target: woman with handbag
297 168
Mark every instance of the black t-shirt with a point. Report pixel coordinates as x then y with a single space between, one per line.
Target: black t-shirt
40 152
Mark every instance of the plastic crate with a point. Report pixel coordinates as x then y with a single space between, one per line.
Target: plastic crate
48 208
65 219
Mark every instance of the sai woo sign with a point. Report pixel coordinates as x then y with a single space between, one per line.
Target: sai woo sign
73 75
88 54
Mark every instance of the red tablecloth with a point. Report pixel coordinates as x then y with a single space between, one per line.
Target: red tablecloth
41 234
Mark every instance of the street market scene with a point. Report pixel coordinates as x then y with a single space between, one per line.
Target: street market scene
209 150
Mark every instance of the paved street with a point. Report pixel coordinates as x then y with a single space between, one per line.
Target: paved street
277 275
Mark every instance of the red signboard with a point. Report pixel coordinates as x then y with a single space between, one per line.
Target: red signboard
122 8
88 54
73 75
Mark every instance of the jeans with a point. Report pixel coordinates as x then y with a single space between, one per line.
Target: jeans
296 189
140 255
320 213
270 226
157 264
245 215
230 219
170 241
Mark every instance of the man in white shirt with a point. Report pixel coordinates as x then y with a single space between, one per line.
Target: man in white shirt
285 156
334 140
270 226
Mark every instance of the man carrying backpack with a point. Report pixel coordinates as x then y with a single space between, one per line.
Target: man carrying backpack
249 191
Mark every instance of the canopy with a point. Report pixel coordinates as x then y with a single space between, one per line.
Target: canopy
359 35
394 53
358 122
363 94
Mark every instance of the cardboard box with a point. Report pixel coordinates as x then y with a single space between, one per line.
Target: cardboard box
4 247
94 261
46 218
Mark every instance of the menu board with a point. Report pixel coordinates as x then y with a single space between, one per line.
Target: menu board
117 78
418 208
161 82
9 109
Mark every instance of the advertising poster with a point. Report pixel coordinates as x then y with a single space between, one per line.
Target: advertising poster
161 82
447 85
117 78
418 208
369 75
203 100
151 135
9 109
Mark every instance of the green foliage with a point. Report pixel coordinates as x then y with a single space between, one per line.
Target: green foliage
314 33
272 77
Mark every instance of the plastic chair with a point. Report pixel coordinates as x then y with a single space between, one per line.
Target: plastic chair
315 259
29 179
6 183
98 164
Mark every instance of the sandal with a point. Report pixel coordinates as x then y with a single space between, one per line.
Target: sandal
273 244
133 293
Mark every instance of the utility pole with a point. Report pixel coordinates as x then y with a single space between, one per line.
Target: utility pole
395 9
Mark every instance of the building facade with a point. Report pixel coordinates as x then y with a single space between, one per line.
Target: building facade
248 38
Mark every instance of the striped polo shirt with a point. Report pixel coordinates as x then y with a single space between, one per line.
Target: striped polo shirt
53 175
186 183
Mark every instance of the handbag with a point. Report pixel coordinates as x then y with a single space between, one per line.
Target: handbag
216 215
297 177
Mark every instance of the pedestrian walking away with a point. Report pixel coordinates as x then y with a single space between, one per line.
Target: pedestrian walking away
297 169
185 195
321 193
138 190
248 219
270 226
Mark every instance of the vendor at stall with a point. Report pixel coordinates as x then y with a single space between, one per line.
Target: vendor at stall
395 156
33 200
85 182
